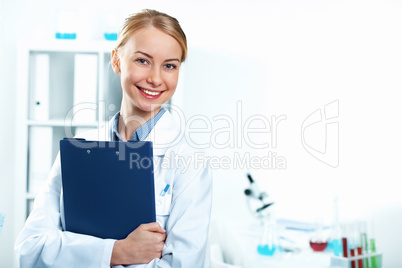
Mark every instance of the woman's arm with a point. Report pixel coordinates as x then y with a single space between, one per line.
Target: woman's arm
43 243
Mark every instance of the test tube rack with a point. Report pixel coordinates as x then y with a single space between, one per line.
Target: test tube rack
374 260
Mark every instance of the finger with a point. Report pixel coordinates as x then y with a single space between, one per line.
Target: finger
160 237
153 227
157 247
158 250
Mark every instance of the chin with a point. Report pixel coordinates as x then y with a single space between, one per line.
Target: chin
150 108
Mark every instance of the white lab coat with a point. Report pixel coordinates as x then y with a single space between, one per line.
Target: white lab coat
184 212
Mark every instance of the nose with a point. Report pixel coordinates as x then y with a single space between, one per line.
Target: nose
154 77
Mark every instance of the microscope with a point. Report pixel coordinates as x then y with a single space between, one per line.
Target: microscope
256 199
257 203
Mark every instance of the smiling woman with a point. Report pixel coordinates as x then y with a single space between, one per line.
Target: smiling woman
148 56
149 67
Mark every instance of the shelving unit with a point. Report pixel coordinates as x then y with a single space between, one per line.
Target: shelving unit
59 74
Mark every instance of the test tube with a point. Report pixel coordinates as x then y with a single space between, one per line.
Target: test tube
336 230
336 235
353 242
373 260
359 253
344 234
359 227
363 242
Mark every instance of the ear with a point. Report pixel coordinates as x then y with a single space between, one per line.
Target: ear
115 61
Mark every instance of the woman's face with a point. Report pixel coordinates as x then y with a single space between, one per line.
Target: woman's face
149 65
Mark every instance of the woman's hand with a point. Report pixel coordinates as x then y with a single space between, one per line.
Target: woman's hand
141 246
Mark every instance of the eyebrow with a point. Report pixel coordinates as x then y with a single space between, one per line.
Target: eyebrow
149 56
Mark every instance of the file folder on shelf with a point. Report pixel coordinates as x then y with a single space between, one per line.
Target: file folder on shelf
85 87
39 96
108 187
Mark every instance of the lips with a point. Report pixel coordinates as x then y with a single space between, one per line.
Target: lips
150 94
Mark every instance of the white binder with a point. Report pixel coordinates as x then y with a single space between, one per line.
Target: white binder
39 98
85 87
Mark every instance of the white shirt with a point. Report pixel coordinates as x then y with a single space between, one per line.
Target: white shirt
184 213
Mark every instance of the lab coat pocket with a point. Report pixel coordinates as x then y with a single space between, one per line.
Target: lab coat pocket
163 204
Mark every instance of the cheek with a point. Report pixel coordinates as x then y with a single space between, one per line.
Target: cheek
133 75
172 81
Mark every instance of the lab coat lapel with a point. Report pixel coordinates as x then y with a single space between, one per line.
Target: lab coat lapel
165 134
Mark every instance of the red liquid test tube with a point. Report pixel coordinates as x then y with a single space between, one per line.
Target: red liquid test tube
352 254
359 252
345 247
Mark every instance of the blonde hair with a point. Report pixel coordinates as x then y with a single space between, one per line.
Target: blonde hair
160 21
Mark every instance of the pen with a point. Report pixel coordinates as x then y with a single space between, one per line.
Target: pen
165 190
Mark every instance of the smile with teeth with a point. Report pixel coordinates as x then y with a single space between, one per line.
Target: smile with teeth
152 93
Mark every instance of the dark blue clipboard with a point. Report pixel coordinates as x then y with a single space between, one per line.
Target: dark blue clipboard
108 187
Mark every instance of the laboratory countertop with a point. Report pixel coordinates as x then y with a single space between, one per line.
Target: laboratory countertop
239 242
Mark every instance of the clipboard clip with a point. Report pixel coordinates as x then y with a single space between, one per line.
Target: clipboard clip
74 139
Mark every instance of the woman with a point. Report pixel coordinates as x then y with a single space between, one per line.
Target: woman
150 49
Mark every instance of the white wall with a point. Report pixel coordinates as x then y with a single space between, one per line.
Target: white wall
278 58
294 58
7 109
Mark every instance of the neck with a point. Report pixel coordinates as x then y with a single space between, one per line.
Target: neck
131 118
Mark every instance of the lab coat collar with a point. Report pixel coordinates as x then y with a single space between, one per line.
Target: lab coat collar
165 134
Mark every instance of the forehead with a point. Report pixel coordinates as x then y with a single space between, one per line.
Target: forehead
153 42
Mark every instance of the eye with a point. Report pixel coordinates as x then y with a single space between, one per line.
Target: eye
170 66
141 61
